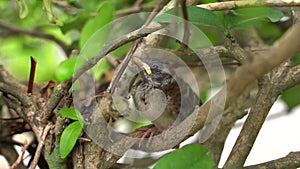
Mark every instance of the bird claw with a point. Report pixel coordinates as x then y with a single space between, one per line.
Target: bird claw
150 131
165 132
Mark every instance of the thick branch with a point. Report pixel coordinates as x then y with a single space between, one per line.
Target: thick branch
255 67
236 111
292 160
54 99
271 87
227 5
11 86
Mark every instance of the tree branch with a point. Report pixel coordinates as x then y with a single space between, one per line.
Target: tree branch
10 153
40 146
11 86
21 156
129 55
54 99
271 87
17 30
242 78
114 44
134 9
292 160
228 5
236 111
186 33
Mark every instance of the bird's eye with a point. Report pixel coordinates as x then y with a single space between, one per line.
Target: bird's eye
154 66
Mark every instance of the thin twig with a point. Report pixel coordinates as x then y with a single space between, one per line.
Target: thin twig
17 30
133 49
10 118
124 65
66 7
187 34
138 3
40 146
211 64
21 156
32 74
153 13
128 11
142 32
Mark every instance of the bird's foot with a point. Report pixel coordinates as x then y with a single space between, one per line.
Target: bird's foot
165 132
150 131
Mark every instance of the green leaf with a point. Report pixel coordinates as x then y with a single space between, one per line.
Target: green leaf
268 31
71 1
296 59
94 36
141 124
291 96
76 22
192 156
68 138
196 15
23 10
90 5
244 17
65 69
70 113
48 60
104 16
73 114
102 66
203 95
122 51
80 118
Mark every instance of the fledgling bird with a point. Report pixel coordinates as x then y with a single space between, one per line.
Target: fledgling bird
161 96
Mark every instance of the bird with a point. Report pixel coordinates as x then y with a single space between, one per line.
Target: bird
160 96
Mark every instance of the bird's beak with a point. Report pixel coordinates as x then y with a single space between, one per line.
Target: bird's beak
142 65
